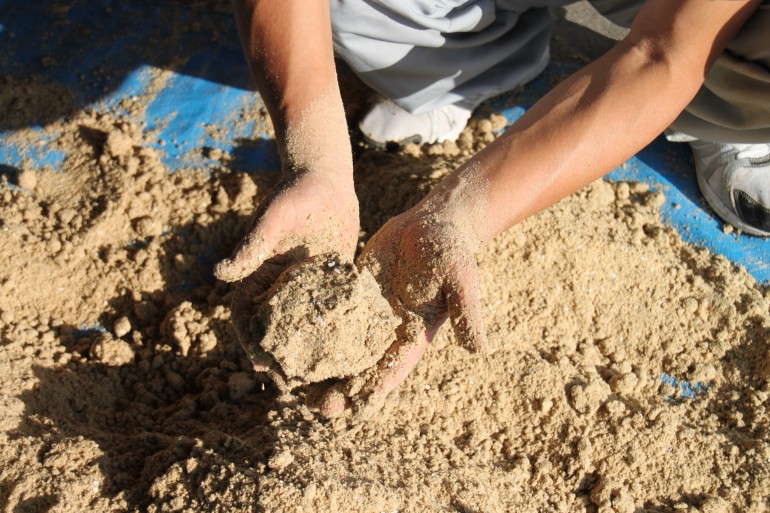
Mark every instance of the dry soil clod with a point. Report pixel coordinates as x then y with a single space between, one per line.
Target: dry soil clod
321 319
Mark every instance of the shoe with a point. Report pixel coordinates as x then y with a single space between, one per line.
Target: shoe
387 123
735 180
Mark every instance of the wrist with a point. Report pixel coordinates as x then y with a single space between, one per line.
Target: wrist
460 200
315 136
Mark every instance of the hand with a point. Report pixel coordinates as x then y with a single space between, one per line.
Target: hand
426 268
309 214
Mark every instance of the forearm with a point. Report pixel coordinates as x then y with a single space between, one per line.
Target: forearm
595 119
582 129
288 46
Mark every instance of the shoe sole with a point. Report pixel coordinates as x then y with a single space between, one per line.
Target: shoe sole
716 205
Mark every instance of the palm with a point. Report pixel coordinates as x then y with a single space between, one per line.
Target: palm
428 274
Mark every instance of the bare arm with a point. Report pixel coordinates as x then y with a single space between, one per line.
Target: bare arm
598 117
582 129
288 45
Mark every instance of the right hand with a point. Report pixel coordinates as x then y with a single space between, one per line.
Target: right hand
426 268
310 213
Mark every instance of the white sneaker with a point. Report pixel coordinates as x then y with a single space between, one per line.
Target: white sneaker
387 123
735 180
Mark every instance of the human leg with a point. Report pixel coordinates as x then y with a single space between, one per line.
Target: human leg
424 56
735 181
730 117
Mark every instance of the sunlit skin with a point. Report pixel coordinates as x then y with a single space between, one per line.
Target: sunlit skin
588 125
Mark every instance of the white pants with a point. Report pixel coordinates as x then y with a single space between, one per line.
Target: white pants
424 54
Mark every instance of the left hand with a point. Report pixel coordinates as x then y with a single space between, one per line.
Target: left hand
426 268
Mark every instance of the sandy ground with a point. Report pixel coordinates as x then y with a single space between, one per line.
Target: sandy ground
628 372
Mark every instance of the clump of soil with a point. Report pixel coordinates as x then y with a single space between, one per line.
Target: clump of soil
321 319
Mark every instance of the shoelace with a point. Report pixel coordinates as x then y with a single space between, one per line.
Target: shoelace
753 152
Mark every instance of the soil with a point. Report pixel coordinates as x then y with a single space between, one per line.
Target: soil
626 372
321 319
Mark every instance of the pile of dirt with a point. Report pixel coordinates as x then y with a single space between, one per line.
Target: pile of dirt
627 371
321 319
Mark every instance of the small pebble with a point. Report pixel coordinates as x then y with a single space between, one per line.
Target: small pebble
66 215
175 381
280 460
623 191
118 144
148 227
656 199
111 351
122 327
240 384
27 179
214 153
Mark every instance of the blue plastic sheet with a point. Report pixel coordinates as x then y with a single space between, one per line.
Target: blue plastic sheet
684 389
105 51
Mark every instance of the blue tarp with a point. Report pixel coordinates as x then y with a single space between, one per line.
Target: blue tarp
104 51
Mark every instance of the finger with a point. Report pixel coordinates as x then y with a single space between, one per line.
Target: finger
333 402
278 378
274 220
247 257
403 355
393 369
366 394
464 307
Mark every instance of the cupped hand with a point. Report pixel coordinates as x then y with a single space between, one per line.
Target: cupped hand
426 268
310 213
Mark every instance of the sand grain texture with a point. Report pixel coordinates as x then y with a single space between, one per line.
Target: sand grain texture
597 316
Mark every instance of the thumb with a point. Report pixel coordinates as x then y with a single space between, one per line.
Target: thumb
252 251
275 219
333 402
464 306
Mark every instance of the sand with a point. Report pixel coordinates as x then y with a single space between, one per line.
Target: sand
626 371
321 319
